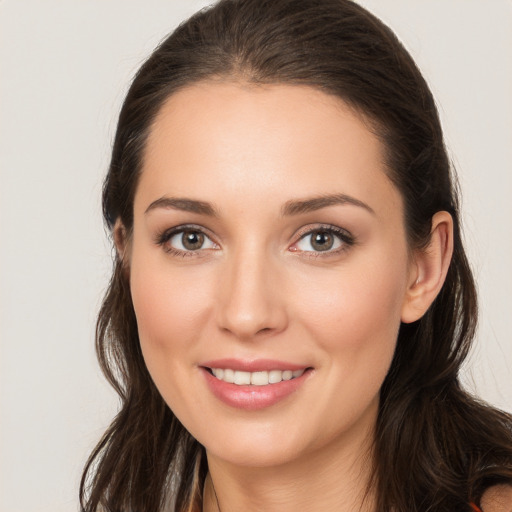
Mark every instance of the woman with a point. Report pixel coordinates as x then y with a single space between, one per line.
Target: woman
291 301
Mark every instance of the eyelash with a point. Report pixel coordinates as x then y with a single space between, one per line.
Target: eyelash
164 237
347 240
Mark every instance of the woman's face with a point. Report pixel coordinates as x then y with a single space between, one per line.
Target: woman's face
268 243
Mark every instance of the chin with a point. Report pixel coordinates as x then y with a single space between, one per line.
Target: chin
256 453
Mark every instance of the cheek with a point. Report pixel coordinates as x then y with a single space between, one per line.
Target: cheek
171 311
355 304
353 316
355 313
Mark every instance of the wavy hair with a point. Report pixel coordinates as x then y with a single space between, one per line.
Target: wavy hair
436 448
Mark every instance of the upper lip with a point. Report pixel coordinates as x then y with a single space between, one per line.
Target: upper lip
255 365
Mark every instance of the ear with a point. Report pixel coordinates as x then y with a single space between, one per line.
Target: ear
429 268
120 240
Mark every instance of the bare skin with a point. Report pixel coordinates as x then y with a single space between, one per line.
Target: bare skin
497 499
275 274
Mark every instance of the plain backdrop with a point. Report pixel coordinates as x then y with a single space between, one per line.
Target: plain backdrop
64 69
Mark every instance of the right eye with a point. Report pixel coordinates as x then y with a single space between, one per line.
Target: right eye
186 241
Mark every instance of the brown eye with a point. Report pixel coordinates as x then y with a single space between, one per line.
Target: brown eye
328 240
322 240
186 241
192 240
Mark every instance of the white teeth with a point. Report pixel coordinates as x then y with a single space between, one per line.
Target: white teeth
275 376
242 378
262 378
287 375
259 378
218 372
229 376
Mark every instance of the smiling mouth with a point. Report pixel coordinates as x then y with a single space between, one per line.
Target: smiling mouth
263 378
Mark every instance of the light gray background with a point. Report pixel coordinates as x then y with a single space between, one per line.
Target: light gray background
64 68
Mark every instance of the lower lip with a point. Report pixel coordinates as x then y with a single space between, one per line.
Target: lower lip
252 398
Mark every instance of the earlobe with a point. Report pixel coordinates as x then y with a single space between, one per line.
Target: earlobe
429 268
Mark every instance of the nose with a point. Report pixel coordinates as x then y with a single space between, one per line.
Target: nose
251 299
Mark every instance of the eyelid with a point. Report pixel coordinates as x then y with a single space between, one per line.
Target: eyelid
346 238
162 237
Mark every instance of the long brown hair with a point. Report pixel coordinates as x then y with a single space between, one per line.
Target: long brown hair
436 447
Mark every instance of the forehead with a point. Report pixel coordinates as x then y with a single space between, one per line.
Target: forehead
244 142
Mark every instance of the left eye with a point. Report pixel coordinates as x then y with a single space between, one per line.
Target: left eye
190 240
320 240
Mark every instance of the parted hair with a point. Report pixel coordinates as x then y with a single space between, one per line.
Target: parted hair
437 448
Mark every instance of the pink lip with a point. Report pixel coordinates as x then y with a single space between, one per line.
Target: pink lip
252 398
256 365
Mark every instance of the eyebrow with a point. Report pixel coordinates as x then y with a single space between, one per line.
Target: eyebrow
183 204
297 207
292 207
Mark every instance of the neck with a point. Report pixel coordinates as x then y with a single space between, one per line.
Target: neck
318 481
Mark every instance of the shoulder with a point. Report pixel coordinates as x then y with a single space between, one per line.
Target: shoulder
497 499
